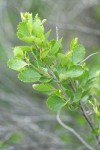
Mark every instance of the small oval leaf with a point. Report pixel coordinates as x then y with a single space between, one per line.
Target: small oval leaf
77 95
43 87
78 54
16 63
29 75
74 71
55 103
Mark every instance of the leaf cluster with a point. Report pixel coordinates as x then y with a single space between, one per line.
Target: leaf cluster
62 76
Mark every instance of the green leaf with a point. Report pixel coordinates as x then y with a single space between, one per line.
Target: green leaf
16 63
55 103
44 87
62 59
69 59
38 29
65 59
27 17
24 48
18 52
74 106
96 85
23 33
85 98
90 84
45 79
63 76
29 75
77 95
58 93
27 39
73 43
47 34
73 72
56 47
70 93
50 60
84 78
43 70
22 30
78 54
43 54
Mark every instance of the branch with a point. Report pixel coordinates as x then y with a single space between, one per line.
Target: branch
73 132
89 57
86 117
90 124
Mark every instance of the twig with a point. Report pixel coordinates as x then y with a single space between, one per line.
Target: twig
59 85
86 117
89 57
73 131
88 121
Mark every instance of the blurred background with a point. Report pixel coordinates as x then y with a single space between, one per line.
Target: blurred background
25 121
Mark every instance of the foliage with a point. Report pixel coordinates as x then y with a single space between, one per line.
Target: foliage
64 77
